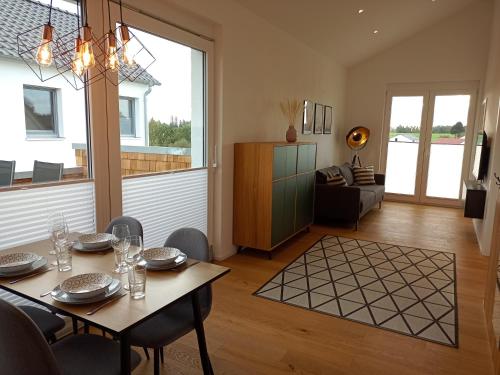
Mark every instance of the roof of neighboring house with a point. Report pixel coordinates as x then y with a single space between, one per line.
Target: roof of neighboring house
18 16
449 141
407 136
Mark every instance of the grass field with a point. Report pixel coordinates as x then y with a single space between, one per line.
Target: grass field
417 135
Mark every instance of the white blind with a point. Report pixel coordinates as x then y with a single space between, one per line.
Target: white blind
164 203
23 213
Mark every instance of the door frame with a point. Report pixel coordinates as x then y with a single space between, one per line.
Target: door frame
429 91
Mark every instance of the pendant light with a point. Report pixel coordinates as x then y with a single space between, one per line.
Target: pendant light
88 58
127 53
44 51
112 60
76 62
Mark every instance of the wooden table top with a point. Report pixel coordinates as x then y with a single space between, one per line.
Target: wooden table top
162 287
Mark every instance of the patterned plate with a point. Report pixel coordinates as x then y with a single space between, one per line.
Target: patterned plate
79 247
181 259
95 240
86 285
160 256
58 295
32 268
17 261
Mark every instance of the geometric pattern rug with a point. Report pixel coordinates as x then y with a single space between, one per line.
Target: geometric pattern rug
403 289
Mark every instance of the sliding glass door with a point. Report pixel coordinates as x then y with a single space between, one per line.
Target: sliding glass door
427 132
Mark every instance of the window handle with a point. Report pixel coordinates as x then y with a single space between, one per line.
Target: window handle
497 179
214 160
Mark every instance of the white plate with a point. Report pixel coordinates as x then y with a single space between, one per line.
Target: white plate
95 240
160 256
78 246
181 259
86 285
17 261
58 295
33 267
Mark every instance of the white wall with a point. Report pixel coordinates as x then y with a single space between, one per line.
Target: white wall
455 49
484 228
15 145
257 66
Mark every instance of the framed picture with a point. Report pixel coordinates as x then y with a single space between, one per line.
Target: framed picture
308 117
327 127
319 117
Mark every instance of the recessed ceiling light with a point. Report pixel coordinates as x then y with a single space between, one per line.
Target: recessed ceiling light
375 31
361 11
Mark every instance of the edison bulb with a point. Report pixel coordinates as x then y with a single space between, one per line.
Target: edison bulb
112 61
128 55
88 59
44 51
77 65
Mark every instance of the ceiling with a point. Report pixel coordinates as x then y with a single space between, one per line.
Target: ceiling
335 28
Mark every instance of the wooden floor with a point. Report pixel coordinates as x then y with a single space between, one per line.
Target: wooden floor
251 335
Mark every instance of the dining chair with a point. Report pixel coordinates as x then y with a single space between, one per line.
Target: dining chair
49 323
24 351
134 225
46 172
176 320
7 169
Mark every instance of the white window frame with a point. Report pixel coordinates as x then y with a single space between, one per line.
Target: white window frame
45 134
132 102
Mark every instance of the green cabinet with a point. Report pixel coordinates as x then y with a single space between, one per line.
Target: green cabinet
273 193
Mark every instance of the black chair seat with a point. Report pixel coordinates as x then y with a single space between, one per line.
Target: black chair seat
47 322
90 354
166 327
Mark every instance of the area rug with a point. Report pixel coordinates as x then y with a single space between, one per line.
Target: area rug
403 289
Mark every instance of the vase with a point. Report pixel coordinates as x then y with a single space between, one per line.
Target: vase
291 134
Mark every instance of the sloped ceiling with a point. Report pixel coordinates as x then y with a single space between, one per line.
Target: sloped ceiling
335 28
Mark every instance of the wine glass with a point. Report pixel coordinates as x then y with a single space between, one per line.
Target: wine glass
120 243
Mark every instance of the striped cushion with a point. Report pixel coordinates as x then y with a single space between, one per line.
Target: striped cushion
337 180
364 175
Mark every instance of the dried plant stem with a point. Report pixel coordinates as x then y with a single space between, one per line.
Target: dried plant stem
291 109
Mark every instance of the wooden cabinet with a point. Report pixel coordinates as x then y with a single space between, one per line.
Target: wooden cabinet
273 192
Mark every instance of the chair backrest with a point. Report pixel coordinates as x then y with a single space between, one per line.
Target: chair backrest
194 244
7 169
134 225
47 172
23 349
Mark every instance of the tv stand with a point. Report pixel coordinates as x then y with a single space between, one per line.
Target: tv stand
475 199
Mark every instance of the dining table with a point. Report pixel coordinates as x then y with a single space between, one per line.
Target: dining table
121 315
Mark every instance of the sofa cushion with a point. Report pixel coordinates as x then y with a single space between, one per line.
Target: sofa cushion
323 175
364 175
346 171
377 190
337 180
367 199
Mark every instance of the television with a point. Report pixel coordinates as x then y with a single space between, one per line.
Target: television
481 157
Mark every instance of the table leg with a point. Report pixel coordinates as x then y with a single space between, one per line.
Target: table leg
125 354
200 334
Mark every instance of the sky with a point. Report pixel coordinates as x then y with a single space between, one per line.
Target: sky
448 110
172 68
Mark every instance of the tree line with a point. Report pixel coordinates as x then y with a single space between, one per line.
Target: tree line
457 129
176 133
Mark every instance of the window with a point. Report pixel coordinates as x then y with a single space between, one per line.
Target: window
127 116
40 111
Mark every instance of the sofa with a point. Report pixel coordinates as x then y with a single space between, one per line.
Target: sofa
347 203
